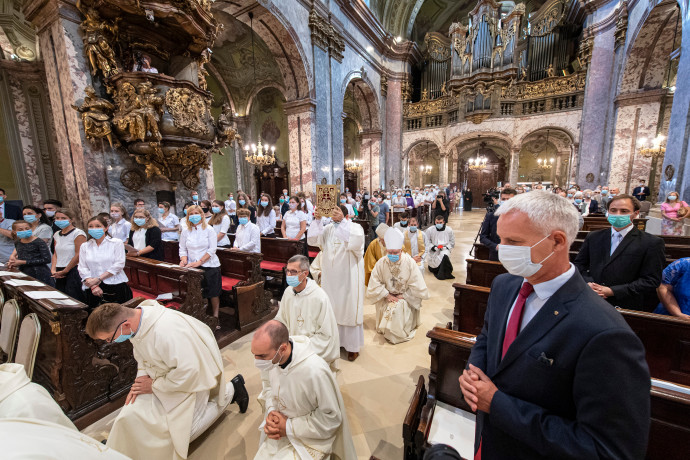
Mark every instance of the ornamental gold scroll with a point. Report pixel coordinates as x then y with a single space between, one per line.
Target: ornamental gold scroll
188 109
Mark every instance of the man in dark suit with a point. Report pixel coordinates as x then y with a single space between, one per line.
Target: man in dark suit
9 211
624 264
641 192
556 372
487 233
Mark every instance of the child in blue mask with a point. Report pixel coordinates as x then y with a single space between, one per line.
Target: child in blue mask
31 254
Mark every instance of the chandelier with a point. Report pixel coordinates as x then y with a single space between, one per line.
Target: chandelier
260 155
652 148
425 169
545 163
354 166
479 162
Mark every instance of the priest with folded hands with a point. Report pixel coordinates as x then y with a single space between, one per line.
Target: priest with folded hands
397 288
180 388
304 416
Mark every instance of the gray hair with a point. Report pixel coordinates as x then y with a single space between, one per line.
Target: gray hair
546 211
303 261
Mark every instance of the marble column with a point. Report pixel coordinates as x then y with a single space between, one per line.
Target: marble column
676 168
513 175
558 170
322 165
575 161
443 171
370 151
301 125
394 132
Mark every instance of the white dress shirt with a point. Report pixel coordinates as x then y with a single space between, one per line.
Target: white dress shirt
94 260
230 206
139 239
171 221
293 220
248 238
617 237
542 293
198 241
267 224
223 228
120 229
64 246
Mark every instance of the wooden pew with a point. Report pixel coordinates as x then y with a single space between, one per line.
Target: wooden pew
148 278
481 252
483 272
470 307
276 253
87 379
412 419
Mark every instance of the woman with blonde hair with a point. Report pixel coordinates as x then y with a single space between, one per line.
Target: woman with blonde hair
145 236
220 221
119 222
198 244
671 223
68 241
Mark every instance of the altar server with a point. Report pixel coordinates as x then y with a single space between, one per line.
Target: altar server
342 274
441 241
304 416
180 382
397 288
306 310
415 243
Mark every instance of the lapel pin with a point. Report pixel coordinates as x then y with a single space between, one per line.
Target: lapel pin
555 312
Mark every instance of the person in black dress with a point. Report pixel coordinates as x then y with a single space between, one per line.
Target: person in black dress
145 236
31 254
467 200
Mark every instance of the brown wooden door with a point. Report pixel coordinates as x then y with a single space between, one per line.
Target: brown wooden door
271 180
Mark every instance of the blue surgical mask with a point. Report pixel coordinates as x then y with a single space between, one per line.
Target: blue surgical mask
161 210
50 213
24 234
139 221
282 200
2 199
393 257
403 222
185 212
30 218
195 197
343 200
123 337
604 192
215 209
194 219
672 197
62 223
570 195
578 201
264 203
242 202
619 221
243 220
439 226
413 228
292 281
96 233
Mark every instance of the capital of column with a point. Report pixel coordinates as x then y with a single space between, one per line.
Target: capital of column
42 13
306 105
372 134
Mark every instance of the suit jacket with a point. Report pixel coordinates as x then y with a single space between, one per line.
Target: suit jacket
488 236
593 206
13 212
641 193
633 271
573 385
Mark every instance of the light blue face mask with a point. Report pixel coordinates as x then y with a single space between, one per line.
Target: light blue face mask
264 203
195 197
619 221
241 202
343 200
439 226
30 218
24 234
292 280
393 257
62 223
413 228
215 209
578 201
96 233
195 219
123 337
403 222
185 212
243 220
161 210
139 221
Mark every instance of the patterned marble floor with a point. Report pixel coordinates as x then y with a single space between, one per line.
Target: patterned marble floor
377 388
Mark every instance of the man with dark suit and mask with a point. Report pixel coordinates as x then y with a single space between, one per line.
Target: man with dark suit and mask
487 234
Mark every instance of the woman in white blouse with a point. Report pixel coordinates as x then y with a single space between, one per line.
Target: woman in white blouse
101 264
266 216
198 243
168 222
119 224
220 221
294 224
68 241
39 223
145 236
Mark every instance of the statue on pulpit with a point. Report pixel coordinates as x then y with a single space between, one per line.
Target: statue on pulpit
225 132
524 73
97 33
444 91
425 94
96 114
550 72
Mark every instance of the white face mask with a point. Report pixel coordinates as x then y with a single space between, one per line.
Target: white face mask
518 259
267 364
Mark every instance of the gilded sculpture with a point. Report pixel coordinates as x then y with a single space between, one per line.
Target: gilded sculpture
188 109
96 114
138 113
98 35
226 133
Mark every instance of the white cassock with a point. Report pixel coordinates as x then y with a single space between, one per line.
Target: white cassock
20 398
309 313
30 439
342 276
445 238
397 321
182 357
315 269
307 393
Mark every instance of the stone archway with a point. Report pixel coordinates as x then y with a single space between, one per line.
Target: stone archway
552 146
424 164
495 150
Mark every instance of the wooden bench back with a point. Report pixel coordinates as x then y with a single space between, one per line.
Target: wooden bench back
483 272
245 266
450 350
470 307
481 252
280 250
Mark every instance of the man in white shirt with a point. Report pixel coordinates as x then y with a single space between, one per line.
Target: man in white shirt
415 242
230 205
247 235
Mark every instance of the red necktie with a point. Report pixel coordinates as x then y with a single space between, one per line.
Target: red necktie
516 317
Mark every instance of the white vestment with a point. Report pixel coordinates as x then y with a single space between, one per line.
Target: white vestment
445 238
182 357
309 313
397 321
315 269
307 393
342 276
20 398
30 439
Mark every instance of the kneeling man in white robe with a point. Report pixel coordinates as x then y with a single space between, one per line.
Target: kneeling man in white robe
304 411
397 288
305 309
180 388
21 398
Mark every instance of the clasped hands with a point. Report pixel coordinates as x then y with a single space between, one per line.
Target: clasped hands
393 298
603 291
93 284
198 263
275 425
477 388
141 386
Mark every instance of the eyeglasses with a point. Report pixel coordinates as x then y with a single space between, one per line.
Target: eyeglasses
293 272
116 329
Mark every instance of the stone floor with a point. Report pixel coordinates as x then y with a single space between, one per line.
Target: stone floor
377 387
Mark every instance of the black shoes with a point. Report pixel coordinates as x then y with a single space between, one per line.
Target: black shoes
241 396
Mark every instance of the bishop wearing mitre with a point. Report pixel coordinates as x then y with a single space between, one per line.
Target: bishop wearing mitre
342 274
305 309
397 288
304 412
180 388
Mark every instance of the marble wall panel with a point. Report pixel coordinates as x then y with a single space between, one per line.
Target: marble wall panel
393 131
365 180
300 131
323 138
